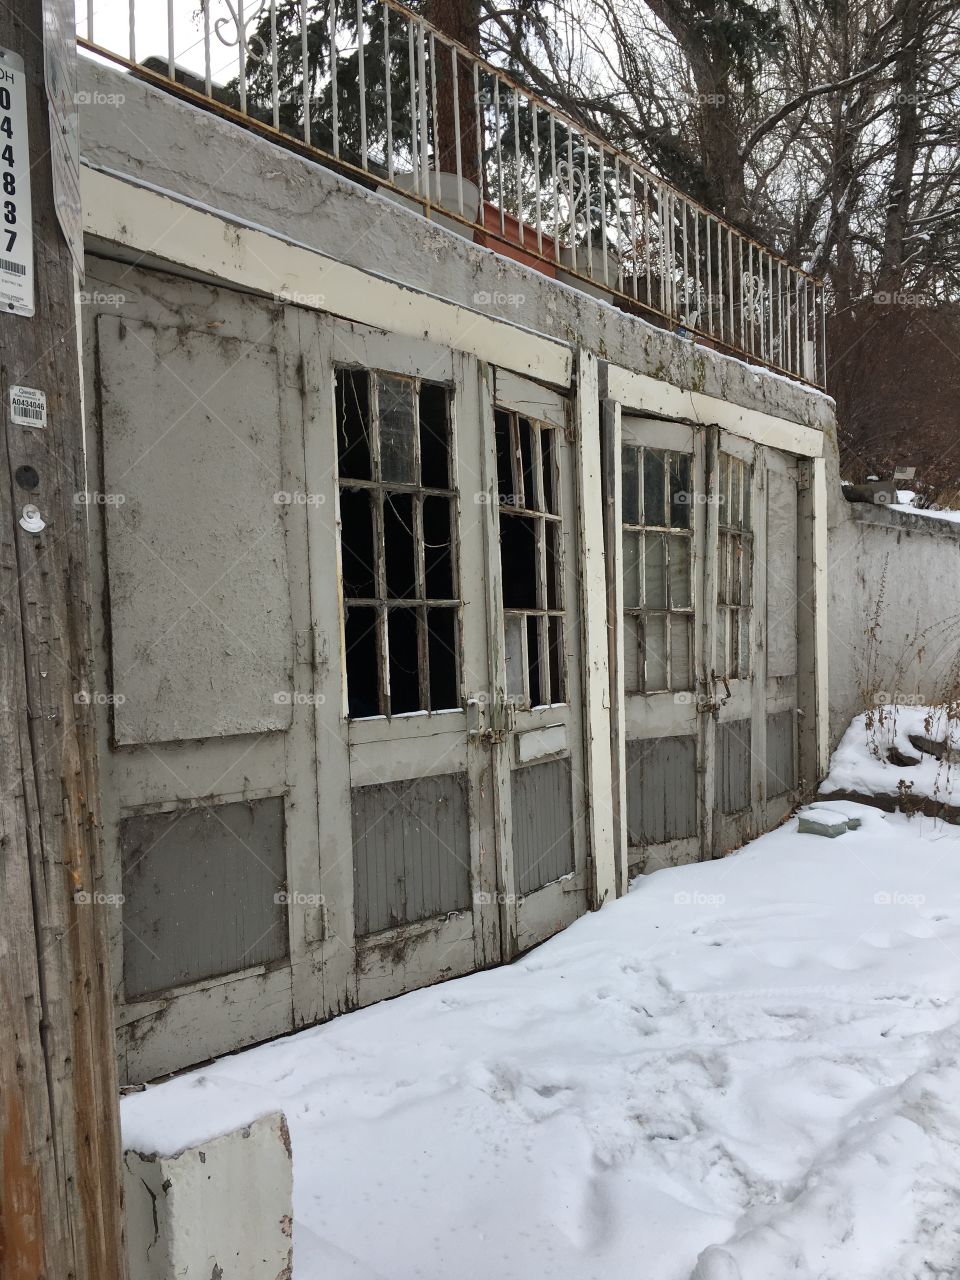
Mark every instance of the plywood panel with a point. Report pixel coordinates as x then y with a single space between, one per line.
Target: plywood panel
411 851
733 765
203 893
542 822
661 790
201 638
781 762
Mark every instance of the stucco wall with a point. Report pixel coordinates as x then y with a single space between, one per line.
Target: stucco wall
894 613
158 139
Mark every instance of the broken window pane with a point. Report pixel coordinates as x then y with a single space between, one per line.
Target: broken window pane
655 652
518 561
434 401
632 571
398 460
631 487
363 663
443 649
399 546
533 659
654 572
505 484
437 548
653 488
525 440
356 521
404 657
353 423
549 463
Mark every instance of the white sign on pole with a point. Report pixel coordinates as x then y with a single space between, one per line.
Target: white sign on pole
16 220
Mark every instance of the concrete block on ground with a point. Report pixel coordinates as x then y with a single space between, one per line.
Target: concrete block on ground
221 1210
822 822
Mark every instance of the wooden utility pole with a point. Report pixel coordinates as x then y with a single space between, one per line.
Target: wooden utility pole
60 1212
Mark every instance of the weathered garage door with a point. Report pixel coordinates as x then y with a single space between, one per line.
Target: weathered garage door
708 571
205 686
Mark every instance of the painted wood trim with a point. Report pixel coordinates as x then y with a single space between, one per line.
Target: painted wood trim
821 624
612 444
598 769
639 393
215 244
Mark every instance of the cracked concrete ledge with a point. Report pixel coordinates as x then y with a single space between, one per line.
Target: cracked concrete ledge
221 1210
157 138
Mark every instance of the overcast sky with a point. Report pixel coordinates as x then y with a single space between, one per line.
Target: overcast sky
111 30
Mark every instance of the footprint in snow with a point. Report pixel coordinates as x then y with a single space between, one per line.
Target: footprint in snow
716 1263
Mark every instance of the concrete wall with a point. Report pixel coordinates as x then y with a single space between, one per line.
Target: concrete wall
894 613
158 139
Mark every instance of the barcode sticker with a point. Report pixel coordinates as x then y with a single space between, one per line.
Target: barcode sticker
28 406
16 222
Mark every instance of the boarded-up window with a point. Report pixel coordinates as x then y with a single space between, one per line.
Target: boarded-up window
657 569
398 542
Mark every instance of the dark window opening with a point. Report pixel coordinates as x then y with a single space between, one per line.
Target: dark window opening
353 423
399 549
531 559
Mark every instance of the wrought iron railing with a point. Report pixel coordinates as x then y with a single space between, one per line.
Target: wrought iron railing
378 92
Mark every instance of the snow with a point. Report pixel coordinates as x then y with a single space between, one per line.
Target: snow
744 1070
860 762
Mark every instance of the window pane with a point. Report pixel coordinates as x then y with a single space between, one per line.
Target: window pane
680 597
356 543
681 495
655 652
399 545
653 487
681 666
746 561
631 486
723 621
747 481
654 572
404 661
437 548
631 653
513 627
735 489
548 455
443 647
533 660
518 561
398 463
632 575
363 668
723 489
552 533
556 660
525 432
744 643
505 484
434 436
353 423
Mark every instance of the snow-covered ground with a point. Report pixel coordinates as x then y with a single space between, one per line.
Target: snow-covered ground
745 1070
